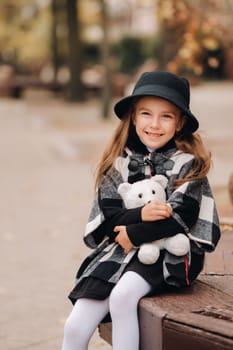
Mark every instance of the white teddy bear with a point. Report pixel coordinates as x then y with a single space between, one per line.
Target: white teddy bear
140 193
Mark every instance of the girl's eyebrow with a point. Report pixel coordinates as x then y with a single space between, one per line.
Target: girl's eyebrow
149 110
146 108
169 112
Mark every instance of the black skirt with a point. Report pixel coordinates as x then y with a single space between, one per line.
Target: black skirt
96 288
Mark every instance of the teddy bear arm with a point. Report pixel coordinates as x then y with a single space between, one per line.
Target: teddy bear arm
178 245
148 253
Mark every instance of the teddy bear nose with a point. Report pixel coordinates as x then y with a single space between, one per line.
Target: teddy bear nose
149 201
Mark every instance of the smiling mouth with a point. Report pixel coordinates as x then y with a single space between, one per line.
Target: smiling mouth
154 134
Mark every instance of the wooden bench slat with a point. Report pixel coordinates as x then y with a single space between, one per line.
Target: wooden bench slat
191 307
221 261
185 337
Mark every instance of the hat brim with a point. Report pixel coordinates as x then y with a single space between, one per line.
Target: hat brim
122 107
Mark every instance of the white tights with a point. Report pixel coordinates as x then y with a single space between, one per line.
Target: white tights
122 305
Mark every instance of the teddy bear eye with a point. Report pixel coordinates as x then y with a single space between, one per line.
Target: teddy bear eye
140 195
153 191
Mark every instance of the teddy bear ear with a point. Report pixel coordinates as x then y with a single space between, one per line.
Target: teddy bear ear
123 188
161 179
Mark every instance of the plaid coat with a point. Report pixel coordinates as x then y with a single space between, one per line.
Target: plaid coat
194 213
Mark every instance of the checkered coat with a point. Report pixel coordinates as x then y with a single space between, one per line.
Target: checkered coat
194 213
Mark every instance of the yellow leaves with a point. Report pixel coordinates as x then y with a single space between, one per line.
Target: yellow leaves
213 62
166 10
29 39
173 11
30 51
90 11
194 35
210 43
185 53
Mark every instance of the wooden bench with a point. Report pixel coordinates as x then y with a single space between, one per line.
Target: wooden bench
21 83
199 317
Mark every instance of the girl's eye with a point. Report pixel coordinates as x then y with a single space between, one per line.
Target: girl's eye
140 195
153 191
168 116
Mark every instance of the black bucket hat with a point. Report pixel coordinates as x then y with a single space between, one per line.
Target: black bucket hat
164 85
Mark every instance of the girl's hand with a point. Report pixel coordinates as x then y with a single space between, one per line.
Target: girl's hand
123 239
156 210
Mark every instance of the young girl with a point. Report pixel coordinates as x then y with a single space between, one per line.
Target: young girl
156 135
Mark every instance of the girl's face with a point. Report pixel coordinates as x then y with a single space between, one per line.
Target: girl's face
156 120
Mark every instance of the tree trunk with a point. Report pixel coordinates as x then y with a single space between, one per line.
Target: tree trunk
54 41
106 91
230 188
75 90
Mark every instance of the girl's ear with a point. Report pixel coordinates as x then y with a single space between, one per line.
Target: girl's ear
124 188
161 179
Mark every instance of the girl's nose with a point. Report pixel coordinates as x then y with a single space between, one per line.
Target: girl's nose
155 122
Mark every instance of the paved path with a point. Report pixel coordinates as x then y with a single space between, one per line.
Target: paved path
48 152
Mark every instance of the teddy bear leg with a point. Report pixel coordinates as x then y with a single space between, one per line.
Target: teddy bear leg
148 253
177 245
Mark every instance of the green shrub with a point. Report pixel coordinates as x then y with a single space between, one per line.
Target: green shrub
129 53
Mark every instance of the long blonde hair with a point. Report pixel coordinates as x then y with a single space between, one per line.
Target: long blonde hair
189 142
114 149
185 140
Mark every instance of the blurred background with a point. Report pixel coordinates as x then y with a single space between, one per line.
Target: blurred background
79 47
63 64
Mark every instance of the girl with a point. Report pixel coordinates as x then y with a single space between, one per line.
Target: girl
156 135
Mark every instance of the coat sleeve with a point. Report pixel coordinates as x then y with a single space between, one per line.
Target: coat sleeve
108 211
113 209
185 214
